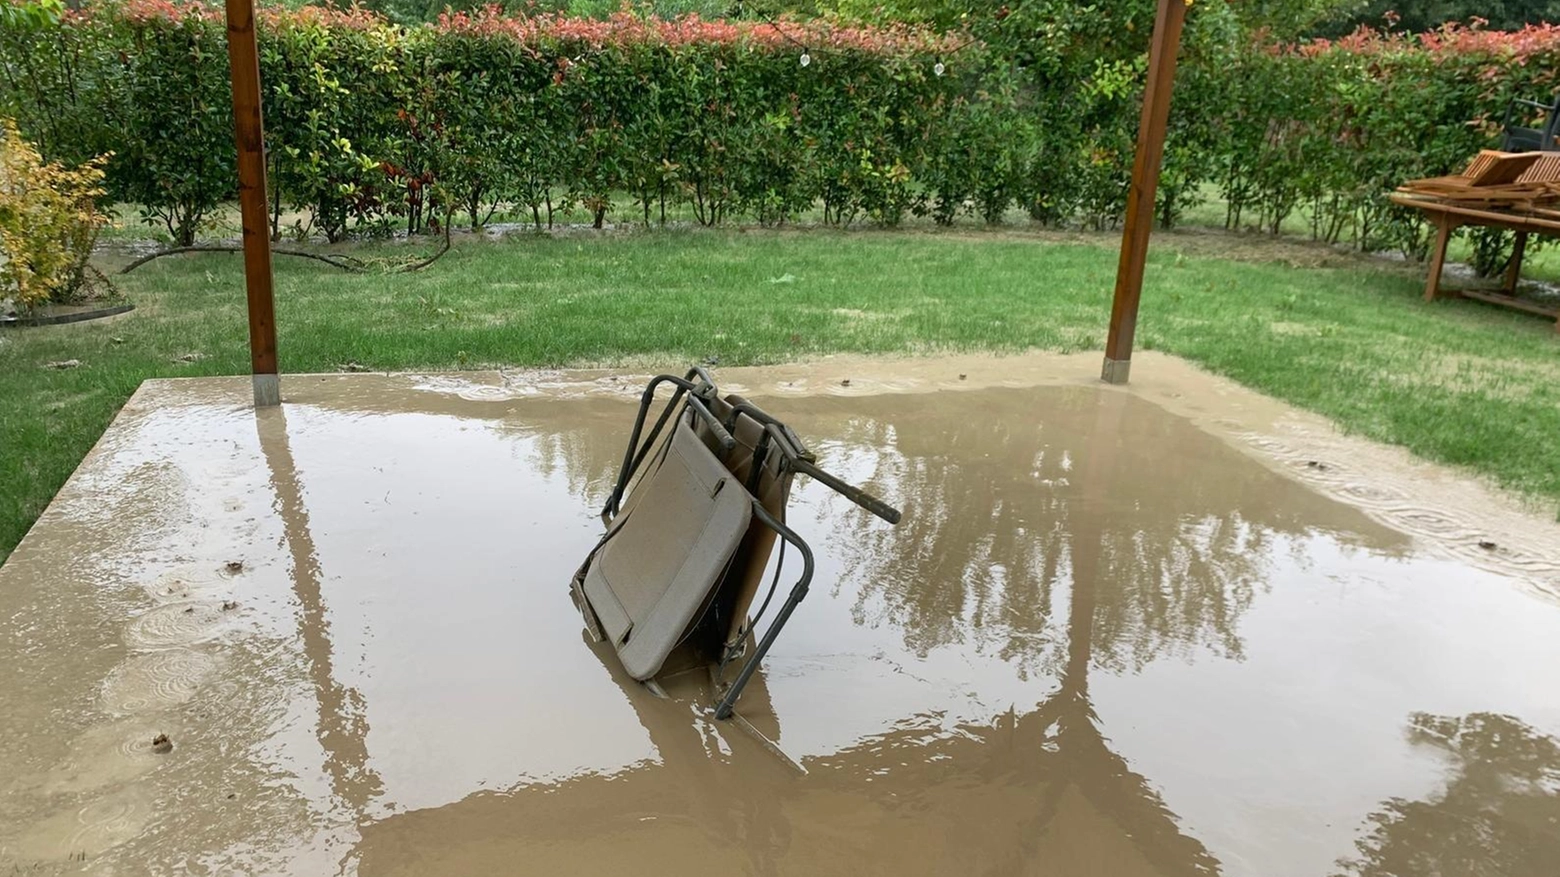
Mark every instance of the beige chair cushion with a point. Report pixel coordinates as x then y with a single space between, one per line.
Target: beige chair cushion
656 574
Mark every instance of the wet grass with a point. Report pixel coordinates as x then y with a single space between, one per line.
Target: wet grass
1457 382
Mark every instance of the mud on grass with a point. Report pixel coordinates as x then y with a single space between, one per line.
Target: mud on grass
1457 382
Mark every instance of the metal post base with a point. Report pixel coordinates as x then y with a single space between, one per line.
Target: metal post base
268 391
1115 370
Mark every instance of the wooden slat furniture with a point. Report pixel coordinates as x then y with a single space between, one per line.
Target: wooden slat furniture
1513 191
1447 218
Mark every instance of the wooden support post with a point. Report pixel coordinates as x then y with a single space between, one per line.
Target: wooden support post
249 134
1514 270
1163 49
1444 226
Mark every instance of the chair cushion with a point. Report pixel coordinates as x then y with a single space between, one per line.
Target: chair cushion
667 553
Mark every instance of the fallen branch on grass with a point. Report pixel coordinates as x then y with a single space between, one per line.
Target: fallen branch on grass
335 260
418 266
345 263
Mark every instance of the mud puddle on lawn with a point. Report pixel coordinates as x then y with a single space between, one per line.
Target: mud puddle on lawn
1104 639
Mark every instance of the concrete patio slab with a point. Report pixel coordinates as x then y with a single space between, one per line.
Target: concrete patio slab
1174 628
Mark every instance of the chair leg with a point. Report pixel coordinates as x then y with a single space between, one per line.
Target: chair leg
1514 270
1443 233
729 701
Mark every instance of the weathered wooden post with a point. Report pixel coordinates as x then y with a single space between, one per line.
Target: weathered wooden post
249 133
1163 49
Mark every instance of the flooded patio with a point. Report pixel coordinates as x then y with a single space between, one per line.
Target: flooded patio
1168 630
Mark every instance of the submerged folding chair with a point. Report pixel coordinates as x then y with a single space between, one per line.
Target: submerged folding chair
684 555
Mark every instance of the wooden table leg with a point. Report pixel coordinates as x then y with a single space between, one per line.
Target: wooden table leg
1443 233
1514 270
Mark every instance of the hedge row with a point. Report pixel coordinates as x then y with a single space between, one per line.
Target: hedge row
371 124
367 121
1334 125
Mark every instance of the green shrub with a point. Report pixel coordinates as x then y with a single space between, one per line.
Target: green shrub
368 122
372 124
1336 125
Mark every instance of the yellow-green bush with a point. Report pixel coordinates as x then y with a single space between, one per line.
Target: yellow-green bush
49 220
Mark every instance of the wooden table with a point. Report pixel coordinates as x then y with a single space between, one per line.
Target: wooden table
1447 218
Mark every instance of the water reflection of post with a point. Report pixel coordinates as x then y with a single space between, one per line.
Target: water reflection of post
342 728
1085 759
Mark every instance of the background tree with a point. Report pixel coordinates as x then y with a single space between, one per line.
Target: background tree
1423 15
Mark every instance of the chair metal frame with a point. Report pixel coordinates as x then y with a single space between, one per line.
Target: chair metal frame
1519 138
696 396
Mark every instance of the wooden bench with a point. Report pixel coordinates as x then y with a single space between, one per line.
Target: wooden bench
1456 209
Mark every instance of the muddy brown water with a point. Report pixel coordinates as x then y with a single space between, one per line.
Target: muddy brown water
1108 638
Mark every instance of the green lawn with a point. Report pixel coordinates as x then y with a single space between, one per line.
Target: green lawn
1458 382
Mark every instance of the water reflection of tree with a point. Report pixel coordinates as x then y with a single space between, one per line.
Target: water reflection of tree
1057 753
580 440
1097 532
1055 756
994 488
1091 557
1035 792
1499 813
996 494
993 483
